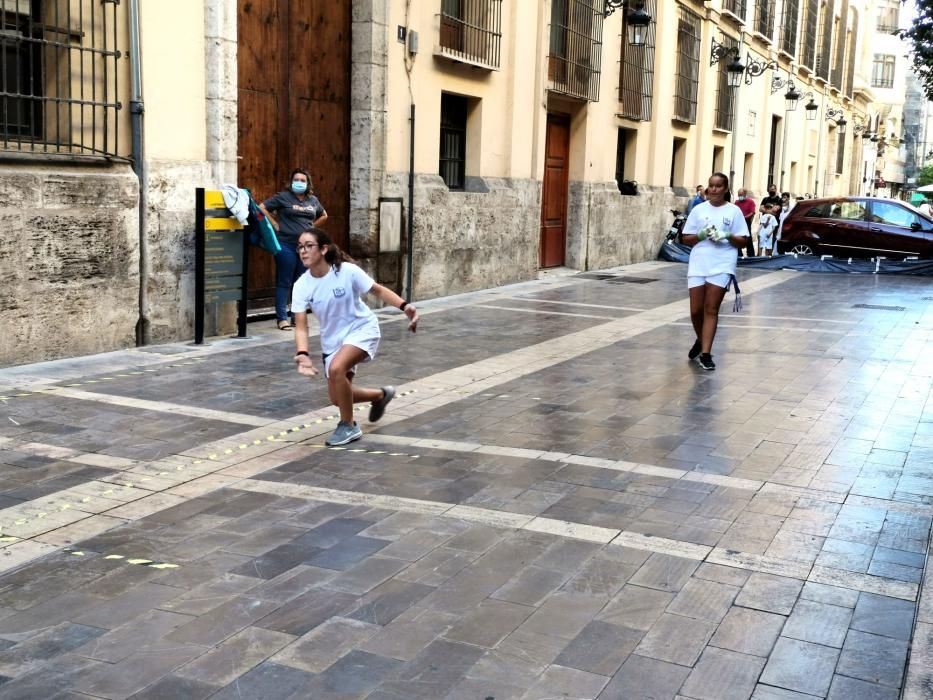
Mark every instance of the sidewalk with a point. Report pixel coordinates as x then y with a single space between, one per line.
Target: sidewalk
557 504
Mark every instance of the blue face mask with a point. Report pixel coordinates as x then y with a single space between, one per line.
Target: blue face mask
299 187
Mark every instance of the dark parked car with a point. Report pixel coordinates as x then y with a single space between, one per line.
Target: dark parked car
857 227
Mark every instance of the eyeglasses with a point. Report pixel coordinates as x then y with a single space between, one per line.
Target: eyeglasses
307 246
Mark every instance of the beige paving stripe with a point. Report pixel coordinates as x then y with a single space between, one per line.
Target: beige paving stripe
614 465
864 582
578 303
546 312
160 406
789 329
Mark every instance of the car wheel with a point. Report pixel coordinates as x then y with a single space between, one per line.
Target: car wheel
802 249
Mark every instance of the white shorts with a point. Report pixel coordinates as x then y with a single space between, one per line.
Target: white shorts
361 339
765 241
720 280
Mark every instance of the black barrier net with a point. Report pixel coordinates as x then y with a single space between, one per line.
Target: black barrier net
677 252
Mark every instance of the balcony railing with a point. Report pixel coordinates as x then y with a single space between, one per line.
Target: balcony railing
736 7
575 48
471 32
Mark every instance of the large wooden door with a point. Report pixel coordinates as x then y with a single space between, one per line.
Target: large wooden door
554 191
293 65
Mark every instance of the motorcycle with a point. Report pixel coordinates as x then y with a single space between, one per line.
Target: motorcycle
677 227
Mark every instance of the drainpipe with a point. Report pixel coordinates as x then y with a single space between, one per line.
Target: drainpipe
139 167
411 207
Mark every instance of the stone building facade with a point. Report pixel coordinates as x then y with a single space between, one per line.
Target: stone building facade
528 117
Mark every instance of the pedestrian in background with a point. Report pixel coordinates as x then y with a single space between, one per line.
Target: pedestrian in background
331 288
747 205
716 229
767 227
696 199
291 211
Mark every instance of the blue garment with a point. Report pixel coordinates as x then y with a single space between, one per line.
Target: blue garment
288 268
693 202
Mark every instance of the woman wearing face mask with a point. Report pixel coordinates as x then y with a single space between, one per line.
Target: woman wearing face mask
292 211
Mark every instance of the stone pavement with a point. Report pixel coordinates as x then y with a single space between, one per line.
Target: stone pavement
557 505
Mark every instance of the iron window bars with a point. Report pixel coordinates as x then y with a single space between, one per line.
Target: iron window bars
808 36
688 66
764 18
888 19
736 7
789 27
840 151
725 95
882 71
59 69
471 31
826 41
575 48
850 72
839 64
452 167
636 80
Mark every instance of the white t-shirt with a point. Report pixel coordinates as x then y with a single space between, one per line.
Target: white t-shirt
766 225
335 300
711 257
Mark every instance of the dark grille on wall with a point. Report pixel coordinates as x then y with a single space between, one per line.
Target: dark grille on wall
452 167
826 41
764 18
736 7
637 72
576 42
838 67
789 27
58 77
725 95
688 66
808 38
850 71
471 31
840 152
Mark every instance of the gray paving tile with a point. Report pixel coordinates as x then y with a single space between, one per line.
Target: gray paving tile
531 586
748 631
600 648
317 650
636 607
852 689
770 593
172 686
766 692
134 673
434 672
831 595
564 615
408 634
664 572
723 675
268 680
877 614
45 647
351 551
800 666
489 623
222 622
386 602
818 623
704 600
567 682
235 656
676 639
641 678
872 658
303 613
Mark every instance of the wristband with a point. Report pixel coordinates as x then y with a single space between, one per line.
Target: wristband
302 352
701 235
402 307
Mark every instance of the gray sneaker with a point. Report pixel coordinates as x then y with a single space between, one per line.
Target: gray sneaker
379 407
345 432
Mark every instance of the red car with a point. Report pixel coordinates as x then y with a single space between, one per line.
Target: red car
857 227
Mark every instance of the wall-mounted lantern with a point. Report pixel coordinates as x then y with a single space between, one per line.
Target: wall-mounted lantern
636 19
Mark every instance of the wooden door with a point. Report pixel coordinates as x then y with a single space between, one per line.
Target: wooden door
554 191
293 65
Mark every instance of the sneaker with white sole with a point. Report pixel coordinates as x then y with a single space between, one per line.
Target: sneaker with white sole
379 407
705 360
695 350
345 432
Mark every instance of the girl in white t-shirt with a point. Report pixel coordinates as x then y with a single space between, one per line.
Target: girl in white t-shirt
331 289
716 230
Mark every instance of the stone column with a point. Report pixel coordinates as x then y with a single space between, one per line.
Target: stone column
220 33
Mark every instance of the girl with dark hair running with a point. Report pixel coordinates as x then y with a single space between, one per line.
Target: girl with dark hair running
331 289
291 211
716 230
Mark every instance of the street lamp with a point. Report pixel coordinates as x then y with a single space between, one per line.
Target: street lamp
812 107
791 97
735 70
637 19
838 116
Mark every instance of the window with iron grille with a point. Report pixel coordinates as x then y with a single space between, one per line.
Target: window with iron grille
58 77
888 19
824 58
840 151
453 140
576 42
725 95
811 17
882 71
736 7
850 71
789 27
688 66
471 31
637 72
839 64
764 18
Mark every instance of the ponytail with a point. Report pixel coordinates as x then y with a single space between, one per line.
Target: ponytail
334 255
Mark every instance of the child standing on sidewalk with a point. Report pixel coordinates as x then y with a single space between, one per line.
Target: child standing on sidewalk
331 289
767 225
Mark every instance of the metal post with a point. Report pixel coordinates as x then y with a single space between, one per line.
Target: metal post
199 266
783 152
241 305
735 127
411 208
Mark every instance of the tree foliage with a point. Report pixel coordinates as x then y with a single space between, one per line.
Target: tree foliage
925 176
920 35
